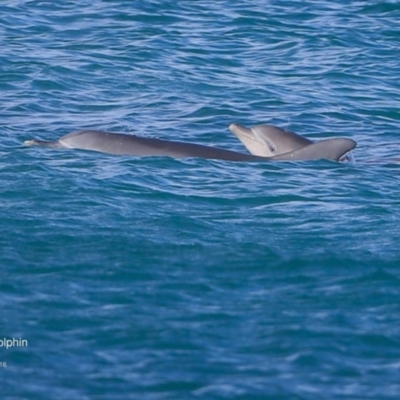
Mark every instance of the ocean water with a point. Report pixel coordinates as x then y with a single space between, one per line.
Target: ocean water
158 278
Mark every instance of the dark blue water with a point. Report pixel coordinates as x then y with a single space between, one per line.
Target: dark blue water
158 278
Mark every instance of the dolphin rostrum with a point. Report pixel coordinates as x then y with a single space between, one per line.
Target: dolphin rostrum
279 144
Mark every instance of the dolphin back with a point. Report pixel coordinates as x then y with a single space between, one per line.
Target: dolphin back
122 144
328 149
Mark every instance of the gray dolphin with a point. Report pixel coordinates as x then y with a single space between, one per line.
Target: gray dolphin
121 144
287 147
279 144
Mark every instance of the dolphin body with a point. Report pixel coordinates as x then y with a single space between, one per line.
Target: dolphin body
282 145
121 144
265 142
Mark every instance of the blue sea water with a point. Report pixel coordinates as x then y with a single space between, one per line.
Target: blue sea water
158 278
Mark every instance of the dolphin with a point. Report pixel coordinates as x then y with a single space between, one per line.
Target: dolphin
122 144
278 146
282 145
